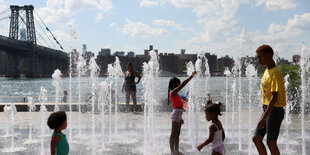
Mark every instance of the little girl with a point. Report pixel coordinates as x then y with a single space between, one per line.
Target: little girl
216 134
59 143
176 117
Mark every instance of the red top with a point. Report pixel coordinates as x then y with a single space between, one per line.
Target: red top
176 101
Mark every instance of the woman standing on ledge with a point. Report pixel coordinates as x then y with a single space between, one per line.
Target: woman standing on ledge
130 86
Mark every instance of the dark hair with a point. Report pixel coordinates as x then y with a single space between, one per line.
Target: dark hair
173 81
265 49
56 119
129 64
213 107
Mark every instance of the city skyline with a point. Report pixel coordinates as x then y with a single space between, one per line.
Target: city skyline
218 27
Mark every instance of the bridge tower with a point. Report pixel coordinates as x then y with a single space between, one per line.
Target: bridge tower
28 21
14 22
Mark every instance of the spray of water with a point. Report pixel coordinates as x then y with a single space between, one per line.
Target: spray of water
236 71
115 74
81 67
43 110
250 73
227 73
104 99
94 72
304 65
31 108
56 83
198 90
150 91
10 114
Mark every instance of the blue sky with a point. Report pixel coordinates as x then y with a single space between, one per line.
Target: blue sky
221 27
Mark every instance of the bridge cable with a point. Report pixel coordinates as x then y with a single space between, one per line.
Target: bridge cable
4 11
45 33
23 20
49 30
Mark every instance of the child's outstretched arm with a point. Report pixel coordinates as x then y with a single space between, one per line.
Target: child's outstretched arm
177 89
54 141
212 130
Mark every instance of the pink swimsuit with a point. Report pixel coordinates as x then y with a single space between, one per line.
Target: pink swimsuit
176 115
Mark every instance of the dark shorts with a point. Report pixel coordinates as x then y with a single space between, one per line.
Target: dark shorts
273 124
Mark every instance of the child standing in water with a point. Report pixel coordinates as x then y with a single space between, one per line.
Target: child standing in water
59 143
176 117
216 134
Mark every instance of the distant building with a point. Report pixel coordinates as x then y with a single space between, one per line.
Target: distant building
23 35
87 56
147 51
131 54
212 62
104 51
119 53
283 61
84 48
224 62
296 58
248 59
182 51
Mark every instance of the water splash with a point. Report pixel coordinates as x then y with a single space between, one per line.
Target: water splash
94 72
81 68
56 83
104 101
150 94
10 114
227 73
246 42
250 73
115 74
198 90
304 65
43 99
236 71
31 108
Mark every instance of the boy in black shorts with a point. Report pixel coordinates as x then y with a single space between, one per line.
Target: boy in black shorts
273 99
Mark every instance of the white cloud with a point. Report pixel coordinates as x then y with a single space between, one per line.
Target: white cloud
139 29
99 17
299 22
58 14
112 25
200 7
286 39
220 27
275 28
161 22
77 5
55 16
148 3
294 28
216 16
201 38
274 5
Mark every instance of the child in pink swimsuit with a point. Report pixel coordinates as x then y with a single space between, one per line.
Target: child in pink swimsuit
176 117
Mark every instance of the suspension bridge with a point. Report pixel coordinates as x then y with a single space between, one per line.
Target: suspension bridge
25 50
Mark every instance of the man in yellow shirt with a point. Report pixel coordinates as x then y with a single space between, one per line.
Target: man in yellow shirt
273 99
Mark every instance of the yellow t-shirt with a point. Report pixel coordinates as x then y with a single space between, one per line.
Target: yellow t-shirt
272 81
